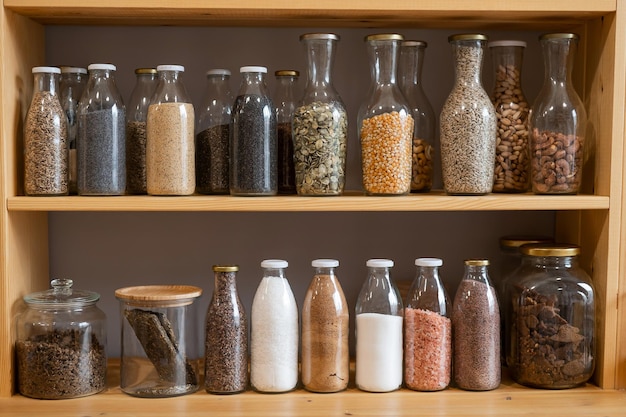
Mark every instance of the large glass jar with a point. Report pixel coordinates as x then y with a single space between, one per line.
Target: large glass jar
320 123
557 121
468 123
552 319
61 339
385 123
284 101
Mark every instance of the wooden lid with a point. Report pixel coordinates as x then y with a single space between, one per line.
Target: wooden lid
159 295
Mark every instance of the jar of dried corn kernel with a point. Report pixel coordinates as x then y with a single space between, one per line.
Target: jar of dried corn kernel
385 123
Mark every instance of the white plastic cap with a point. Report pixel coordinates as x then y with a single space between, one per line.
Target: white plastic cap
507 43
52 70
178 68
274 263
218 71
74 70
325 263
253 68
379 263
109 67
428 262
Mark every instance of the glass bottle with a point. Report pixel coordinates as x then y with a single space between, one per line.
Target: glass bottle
284 100
410 71
320 123
476 327
170 145
274 331
379 330
145 84
512 166
45 137
101 141
385 123
60 347
557 121
553 317
325 317
427 330
253 168
468 123
226 336
71 85
213 135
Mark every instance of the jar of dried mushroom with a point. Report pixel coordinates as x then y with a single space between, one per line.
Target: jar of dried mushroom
285 103
385 123
512 168
468 123
60 347
320 123
557 121
552 319
159 340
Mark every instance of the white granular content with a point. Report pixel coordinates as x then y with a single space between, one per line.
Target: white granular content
274 337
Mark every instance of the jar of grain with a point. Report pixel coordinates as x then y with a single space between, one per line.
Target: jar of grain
213 135
379 330
325 317
45 137
285 103
468 123
410 75
552 319
427 330
170 139
320 123
557 121
60 347
512 169
385 123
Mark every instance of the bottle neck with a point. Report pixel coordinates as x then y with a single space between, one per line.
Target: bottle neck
225 282
46 82
477 273
384 56
410 68
274 272
320 55
325 272
253 83
558 56
468 55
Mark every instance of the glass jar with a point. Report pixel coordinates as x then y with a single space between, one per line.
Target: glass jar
476 327
385 123
379 322
71 85
468 123
45 137
136 136
284 100
170 145
557 121
410 71
427 330
213 135
325 317
226 336
320 123
61 339
511 257
101 141
274 331
159 340
553 319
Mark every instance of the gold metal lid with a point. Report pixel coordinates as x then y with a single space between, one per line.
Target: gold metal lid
467 37
321 36
287 73
159 295
225 268
145 71
384 37
477 262
547 36
550 249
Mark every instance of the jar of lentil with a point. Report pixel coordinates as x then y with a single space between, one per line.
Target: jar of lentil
170 145
45 137
320 123
468 123
325 316
552 319
285 104
213 135
557 121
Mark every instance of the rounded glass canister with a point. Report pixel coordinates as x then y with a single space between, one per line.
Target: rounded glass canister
170 144
136 136
274 331
410 75
468 123
427 330
61 339
379 323
320 123
512 168
553 312
213 135
46 149
325 320
226 336
101 141
385 123
253 162
557 121
284 100
159 340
